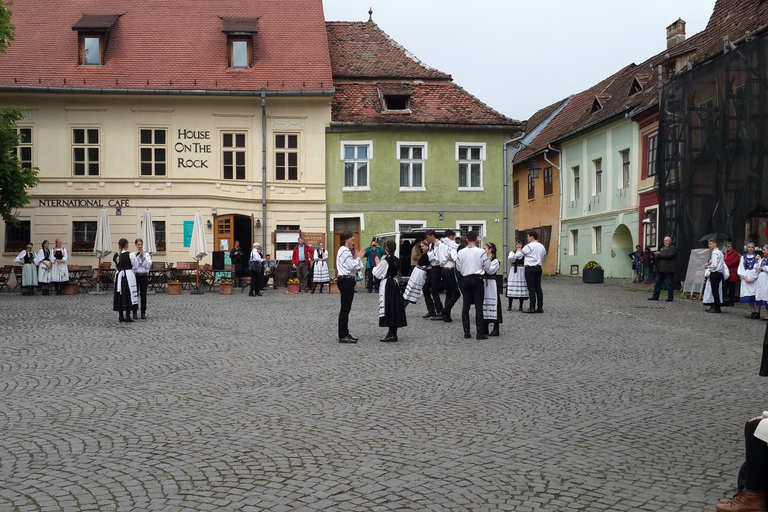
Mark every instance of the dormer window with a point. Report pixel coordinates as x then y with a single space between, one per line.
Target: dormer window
596 106
93 31
397 102
636 87
240 33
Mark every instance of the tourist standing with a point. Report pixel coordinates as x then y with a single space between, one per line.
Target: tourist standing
666 266
256 269
237 257
731 258
302 255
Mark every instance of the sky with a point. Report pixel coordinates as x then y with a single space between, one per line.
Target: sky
520 56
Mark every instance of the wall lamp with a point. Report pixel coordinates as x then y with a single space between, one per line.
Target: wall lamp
534 169
209 224
258 223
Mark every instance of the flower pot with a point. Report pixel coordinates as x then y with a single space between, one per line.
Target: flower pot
174 288
225 288
293 288
69 288
593 275
333 287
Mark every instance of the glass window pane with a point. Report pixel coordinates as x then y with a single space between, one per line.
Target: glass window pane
462 175
240 158
293 159
404 175
227 172
404 152
240 140
159 136
145 136
159 154
293 141
227 140
417 153
475 153
160 169
93 154
78 136
79 154
475 175
93 136
26 135
93 169
227 158
293 173
280 141
462 153
146 154
239 54
280 159
280 172
362 175
79 169
349 152
26 153
362 152
146 169
416 171
349 175
240 169
91 47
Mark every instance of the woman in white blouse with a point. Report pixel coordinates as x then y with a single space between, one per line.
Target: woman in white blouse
59 269
256 267
28 271
320 274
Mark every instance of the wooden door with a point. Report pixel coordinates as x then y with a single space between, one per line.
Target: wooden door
224 233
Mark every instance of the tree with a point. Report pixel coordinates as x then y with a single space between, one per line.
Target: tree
15 180
6 29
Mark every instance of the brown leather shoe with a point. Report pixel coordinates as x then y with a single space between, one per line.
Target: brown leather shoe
744 502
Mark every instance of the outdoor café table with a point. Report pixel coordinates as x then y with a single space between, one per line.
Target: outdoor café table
158 277
77 276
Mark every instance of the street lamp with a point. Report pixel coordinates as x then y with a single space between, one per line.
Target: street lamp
534 169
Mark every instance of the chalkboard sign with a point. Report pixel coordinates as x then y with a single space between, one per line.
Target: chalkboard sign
694 278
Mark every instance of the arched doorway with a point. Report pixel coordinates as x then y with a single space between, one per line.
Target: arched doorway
621 247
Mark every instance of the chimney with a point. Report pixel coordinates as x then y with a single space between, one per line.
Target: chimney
675 33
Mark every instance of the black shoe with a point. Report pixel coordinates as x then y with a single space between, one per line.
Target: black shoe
539 310
447 319
669 300
143 316
128 318
313 291
428 315
135 316
259 294
482 337
529 311
321 290
509 308
347 339
438 317
122 319
467 335
389 338
713 311
653 298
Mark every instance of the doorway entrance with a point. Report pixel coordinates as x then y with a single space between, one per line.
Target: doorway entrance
339 225
230 228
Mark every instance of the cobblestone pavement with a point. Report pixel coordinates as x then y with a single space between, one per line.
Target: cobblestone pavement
604 402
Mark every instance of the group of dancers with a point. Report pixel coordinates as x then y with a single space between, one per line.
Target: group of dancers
464 268
131 280
47 267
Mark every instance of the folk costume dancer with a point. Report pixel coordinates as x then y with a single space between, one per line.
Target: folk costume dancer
448 248
126 293
347 266
516 285
491 299
320 274
59 269
141 270
761 294
415 287
391 307
434 274
256 268
45 262
28 259
534 254
716 267
472 262
749 268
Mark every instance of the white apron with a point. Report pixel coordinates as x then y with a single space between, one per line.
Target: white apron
490 299
414 289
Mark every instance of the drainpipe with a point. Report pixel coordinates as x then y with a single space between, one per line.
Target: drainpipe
506 200
264 170
559 217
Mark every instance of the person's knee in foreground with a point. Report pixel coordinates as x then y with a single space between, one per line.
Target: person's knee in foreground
750 496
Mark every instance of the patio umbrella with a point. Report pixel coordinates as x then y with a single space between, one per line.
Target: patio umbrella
197 247
148 233
102 246
716 236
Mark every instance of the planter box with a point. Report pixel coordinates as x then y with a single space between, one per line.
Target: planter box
174 288
594 275
69 288
293 288
225 288
333 287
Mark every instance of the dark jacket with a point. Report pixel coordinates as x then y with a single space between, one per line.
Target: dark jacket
667 259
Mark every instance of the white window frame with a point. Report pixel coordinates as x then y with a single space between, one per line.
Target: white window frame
86 146
153 146
476 222
234 149
576 179
655 210
345 143
481 145
399 223
573 242
597 166
626 168
29 144
597 239
423 161
359 216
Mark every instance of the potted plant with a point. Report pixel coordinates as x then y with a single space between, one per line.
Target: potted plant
160 245
225 286
593 273
15 246
82 246
333 286
293 286
174 287
69 288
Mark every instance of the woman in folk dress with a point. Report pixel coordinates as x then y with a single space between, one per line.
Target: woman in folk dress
45 260
491 299
320 275
749 268
59 269
391 306
414 288
761 294
517 288
126 292
29 270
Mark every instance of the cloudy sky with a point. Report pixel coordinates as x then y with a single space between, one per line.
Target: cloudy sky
519 56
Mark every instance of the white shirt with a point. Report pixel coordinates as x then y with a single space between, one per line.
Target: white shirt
472 260
346 263
533 252
22 254
434 253
716 261
255 255
448 252
142 265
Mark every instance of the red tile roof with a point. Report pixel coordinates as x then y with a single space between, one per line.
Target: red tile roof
169 45
367 64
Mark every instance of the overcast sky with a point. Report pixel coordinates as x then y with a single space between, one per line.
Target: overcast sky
520 56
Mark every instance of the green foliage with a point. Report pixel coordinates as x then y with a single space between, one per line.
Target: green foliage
6 29
592 265
14 180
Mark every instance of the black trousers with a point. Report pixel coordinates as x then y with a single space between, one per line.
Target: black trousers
431 294
757 458
347 290
451 290
533 281
255 282
473 291
142 280
729 290
715 278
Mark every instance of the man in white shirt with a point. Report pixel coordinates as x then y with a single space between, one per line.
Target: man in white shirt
472 262
432 285
533 253
141 269
347 265
448 246
716 266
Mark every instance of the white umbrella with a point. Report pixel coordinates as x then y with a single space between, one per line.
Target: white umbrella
102 246
148 233
197 247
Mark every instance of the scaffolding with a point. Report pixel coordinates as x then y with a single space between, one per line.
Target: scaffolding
711 174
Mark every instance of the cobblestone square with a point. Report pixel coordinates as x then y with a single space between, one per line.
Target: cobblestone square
605 402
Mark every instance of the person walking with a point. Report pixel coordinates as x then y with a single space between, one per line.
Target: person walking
434 274
448 248
347 266
302 255
666 266
126 294
143 264
516 285
731 258
716 267
256 268
472 262
237 257
391 307
320 272
28 259
533 254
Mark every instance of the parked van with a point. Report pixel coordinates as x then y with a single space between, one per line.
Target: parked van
405 243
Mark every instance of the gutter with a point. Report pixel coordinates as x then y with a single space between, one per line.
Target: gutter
166 92
264 171
560 216
506 199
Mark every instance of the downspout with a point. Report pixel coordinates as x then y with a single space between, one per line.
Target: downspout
264 171
559 217
506 200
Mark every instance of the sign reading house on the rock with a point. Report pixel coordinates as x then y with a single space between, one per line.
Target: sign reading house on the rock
189 145
83 203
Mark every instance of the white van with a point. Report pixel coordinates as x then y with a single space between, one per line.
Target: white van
405 243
